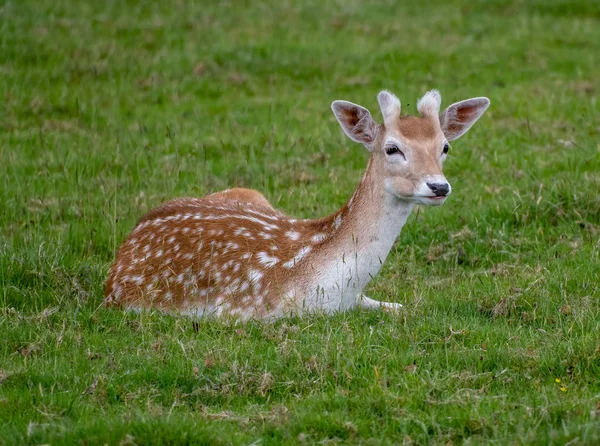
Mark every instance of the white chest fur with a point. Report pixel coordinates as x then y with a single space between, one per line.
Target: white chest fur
337 281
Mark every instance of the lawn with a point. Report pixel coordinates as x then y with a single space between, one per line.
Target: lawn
110 108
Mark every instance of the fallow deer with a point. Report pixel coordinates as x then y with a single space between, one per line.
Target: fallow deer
232 253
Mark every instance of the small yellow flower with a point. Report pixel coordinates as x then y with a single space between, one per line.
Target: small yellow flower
557 380
563 389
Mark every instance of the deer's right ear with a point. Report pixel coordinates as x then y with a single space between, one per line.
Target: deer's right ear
356 122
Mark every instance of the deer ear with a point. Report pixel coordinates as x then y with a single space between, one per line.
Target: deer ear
458 118
356 122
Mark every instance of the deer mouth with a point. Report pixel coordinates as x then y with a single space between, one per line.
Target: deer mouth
433 200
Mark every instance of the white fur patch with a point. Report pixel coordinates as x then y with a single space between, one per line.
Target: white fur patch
337 222
267 260
318 238
294 235
299 256
254 276
239 230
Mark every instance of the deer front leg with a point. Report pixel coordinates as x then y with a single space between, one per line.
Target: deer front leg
367 302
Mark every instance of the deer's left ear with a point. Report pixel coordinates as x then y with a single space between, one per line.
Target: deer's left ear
356 122
458 118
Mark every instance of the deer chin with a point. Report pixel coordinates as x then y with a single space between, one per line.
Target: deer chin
431 200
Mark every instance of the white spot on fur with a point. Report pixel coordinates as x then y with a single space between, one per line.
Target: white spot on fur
351 201
337 222
254 276
238 231
265 225
140 227
297 258
318 238
267 260
261 214
294 235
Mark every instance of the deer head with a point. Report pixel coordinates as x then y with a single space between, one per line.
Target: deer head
407 151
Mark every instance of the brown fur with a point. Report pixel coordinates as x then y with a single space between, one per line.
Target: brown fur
414 128
243 196
174 249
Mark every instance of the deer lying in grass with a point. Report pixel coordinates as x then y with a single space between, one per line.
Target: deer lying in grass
232 253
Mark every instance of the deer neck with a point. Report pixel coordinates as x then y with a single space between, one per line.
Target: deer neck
372 218
360 236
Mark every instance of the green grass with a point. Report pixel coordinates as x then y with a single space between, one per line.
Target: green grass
110 108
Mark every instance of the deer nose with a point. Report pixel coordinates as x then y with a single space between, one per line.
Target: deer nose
439 189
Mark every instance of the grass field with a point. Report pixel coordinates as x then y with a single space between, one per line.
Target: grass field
109 108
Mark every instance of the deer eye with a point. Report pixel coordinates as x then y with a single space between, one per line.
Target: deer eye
446 148
394 150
